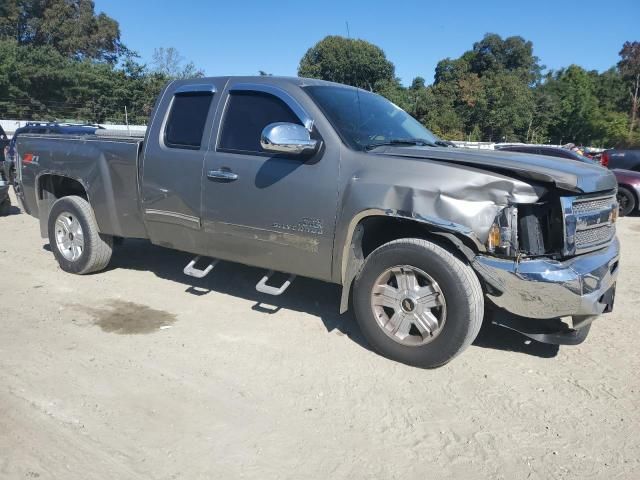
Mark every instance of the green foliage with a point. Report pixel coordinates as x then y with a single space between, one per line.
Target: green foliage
513 54
69 26
490 90
496 92
39 83
573 91
352 62
629 66
169 63
59 60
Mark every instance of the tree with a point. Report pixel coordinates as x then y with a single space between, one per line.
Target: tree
169 63
490 88
350 61
573 92
504 107
629 66
513 54
69 26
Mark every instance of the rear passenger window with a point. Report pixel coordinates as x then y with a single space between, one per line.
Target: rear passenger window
246 116
187 117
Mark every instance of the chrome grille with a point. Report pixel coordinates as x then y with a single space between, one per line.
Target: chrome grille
588 223
590 206
594 236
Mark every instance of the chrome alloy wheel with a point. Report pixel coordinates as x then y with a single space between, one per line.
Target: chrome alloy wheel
408 305
69 236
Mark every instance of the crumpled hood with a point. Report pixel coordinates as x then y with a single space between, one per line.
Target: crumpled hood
566 174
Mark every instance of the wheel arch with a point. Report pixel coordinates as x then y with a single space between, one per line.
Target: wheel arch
52 186
373 228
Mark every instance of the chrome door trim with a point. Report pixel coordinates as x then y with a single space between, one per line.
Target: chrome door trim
172 217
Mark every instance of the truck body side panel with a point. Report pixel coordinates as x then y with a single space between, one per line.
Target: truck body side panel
107 168
171 178
280 212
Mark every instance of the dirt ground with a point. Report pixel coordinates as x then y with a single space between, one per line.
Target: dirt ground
141 372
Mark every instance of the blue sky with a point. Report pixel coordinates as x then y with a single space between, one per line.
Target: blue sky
242 37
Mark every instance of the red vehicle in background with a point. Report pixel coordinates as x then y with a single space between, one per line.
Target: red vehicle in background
628 190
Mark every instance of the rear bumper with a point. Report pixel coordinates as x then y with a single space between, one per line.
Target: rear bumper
582 287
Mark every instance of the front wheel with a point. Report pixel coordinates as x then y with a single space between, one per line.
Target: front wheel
417 303
74 237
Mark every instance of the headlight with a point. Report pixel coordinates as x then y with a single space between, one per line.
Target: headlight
503 233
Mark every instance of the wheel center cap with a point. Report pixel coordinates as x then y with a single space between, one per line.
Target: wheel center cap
71 236
408 305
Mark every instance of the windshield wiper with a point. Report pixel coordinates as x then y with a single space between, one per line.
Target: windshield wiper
401 141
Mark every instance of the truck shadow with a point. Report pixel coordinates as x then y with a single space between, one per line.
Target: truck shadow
306 295
13 210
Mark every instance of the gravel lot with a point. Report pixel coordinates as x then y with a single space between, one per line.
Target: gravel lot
141 372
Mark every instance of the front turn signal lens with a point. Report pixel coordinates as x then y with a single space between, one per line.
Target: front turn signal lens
613 216
494 238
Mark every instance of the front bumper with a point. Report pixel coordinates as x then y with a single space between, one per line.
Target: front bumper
582 287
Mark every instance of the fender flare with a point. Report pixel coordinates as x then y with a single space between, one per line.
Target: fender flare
45 203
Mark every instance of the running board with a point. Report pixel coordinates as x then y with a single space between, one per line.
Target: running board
262 286
192 271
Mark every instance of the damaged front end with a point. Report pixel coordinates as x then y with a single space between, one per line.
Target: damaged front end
539 234
553 259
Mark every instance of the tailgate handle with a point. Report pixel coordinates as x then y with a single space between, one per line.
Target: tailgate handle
224 174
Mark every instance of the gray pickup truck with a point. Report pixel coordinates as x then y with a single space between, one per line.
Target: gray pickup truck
310 178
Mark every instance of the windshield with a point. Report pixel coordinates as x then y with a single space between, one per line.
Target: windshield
364 119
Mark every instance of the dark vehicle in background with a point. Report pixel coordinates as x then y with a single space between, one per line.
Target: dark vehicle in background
5 202
4 143
624 159
9 149
628 181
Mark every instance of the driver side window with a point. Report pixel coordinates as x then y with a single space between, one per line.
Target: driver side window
246 115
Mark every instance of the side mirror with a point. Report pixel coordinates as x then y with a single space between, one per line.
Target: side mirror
288 138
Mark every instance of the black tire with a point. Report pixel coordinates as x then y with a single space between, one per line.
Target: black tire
459 285
5 207
626 200
97 249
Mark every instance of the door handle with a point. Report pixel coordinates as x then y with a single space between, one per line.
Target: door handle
223 175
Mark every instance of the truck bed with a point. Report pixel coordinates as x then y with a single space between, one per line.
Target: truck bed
107 165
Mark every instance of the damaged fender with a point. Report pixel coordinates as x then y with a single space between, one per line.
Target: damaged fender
468 198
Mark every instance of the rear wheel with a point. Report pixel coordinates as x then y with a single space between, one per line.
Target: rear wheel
626 201
74 237
417 303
